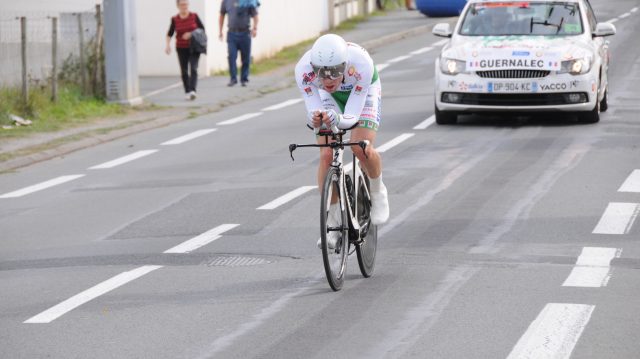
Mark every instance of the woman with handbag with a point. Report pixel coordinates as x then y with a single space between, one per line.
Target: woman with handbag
183 24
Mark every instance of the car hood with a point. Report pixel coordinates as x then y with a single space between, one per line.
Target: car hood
516 52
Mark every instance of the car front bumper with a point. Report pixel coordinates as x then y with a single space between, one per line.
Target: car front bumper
472 93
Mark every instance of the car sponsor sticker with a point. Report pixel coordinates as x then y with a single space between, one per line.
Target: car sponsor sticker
513 59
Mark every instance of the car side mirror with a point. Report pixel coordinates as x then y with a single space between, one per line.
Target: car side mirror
442 30
604 29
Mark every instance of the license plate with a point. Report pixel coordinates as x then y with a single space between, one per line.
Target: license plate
512 87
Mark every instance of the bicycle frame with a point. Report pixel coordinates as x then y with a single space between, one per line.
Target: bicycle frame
338 147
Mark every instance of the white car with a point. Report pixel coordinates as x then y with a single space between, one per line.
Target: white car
521 57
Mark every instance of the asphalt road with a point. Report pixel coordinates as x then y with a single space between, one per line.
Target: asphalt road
507 235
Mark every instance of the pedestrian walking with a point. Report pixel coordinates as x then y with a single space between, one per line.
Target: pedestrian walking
239 34
182 25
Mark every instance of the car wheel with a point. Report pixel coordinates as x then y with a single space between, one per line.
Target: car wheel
445 118
604 104
592 116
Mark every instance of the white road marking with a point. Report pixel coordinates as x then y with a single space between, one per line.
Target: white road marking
40 186
422 50
554 333
617 218
398 59
287 197
612 20
282 104
381 67
235 120
68 305
153 93
394 142
122 160
634 9
626 14
201 240
189 137
441 42
592 268
632 184
426 123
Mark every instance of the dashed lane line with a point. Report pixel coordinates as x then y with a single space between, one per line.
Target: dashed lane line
242 118
68 305
381 67
282 104
201 240
593 268
287 198
422 50
40 186
632 184
125 159
441 42
398 59
626 14
618 218
394 142
554 333
189 137
426 123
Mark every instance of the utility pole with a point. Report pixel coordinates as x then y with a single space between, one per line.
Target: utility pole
121 59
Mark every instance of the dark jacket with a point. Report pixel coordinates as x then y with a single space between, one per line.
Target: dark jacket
198 41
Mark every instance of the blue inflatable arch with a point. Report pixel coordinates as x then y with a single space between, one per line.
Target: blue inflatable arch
437 8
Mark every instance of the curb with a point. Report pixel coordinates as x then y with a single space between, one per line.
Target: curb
94 137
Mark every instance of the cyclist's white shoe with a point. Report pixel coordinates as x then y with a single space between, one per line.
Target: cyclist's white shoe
332 221
379 205
332 240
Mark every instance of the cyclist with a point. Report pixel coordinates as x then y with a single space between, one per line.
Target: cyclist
340 87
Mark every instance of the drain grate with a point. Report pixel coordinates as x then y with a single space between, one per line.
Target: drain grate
236 261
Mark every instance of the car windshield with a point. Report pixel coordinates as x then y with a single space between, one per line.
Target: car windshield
522 18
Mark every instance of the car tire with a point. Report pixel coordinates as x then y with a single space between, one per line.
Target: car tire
445 118
604 104
592 116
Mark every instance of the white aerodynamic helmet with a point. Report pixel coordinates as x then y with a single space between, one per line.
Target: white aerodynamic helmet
329 56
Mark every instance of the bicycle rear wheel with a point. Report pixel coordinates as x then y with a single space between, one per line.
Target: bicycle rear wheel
335 260
366 250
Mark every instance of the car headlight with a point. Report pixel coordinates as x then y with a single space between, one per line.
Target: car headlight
452 67
576 66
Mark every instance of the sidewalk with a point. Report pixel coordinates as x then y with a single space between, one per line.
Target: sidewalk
213 95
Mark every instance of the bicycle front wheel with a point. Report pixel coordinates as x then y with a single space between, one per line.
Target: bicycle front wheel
366 250
335 259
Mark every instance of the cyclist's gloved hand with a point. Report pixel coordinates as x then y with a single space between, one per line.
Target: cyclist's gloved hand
314 118
332 118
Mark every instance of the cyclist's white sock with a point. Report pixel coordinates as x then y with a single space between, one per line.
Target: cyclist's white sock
376 184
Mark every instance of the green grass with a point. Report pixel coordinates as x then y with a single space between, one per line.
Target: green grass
70 110
290 54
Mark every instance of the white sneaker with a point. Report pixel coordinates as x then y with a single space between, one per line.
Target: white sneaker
379 206
187 96
333 236
332 240
192 95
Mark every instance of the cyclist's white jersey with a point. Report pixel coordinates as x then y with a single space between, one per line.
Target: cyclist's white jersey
357 98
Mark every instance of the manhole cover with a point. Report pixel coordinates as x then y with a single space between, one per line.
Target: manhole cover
236 261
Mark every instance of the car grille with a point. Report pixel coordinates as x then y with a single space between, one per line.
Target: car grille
513 74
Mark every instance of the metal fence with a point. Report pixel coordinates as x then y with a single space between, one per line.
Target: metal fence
36 43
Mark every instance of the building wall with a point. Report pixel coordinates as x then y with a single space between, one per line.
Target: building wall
282 23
